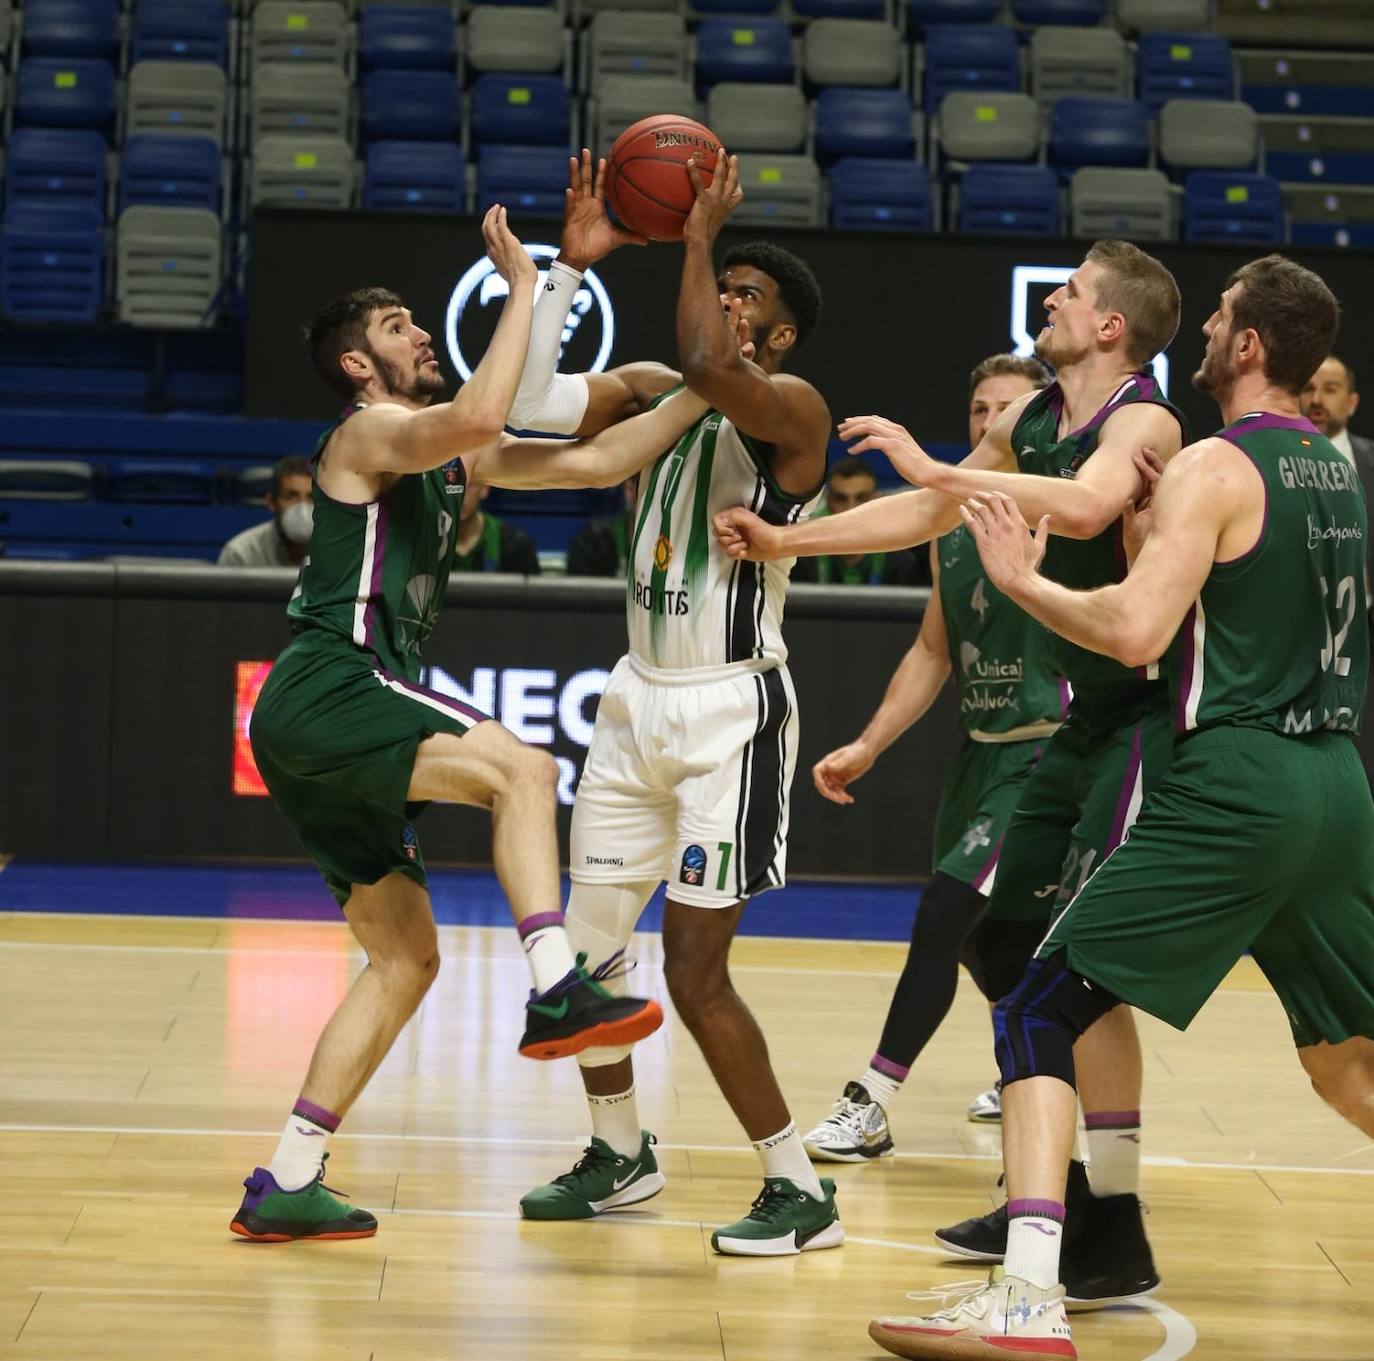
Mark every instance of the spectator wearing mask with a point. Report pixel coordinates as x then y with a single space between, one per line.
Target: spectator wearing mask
283 540
486 544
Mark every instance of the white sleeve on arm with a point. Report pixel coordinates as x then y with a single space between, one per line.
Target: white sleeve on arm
547 401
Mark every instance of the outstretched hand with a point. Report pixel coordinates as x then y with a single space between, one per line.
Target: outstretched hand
589 234
1011 554
834 772
894 442
741 534
717 198
511 259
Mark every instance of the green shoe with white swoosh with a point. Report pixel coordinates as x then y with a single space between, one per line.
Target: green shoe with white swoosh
601 1180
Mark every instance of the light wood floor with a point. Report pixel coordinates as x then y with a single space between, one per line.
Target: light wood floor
146 1066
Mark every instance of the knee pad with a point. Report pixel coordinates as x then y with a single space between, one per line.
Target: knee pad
1035 1025
600 920
1003 951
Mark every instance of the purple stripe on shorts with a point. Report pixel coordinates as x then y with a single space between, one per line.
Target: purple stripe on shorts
541 921
374 590
989 865
317 1115
1065 695
887 1068
1111 1119
1186 665
1041 1209
1123 803
462 710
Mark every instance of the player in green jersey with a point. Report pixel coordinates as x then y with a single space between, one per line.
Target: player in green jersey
1068 452
351 744
1010 701
1261 836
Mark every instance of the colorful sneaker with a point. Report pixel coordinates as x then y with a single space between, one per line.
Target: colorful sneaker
986 1107
578 1012
601 1180
270 1215
1004 1317
783 1220
1106 1255
984 1239
855 1131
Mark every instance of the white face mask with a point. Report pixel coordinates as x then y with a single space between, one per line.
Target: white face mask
296 522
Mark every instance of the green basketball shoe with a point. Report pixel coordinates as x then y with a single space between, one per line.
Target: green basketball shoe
270 1215
783 1220
601 1180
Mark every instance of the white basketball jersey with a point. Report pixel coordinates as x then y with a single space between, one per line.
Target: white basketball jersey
688 604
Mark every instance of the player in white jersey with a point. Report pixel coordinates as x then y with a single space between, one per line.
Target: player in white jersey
695 744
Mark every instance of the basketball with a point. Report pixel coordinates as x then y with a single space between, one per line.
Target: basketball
646 173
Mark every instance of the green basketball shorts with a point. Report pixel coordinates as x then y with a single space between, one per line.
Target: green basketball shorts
1253 841
977 801
335 737
1080 801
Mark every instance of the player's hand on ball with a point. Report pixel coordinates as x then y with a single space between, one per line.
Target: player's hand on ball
894 442
589 234
511 259
717 198
834 773
1011 554
741 534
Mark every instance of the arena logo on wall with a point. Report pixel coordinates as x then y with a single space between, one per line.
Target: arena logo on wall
475 305
1030 286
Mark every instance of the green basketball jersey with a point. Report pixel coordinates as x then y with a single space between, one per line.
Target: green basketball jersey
1000 655
1083 564
1277 638
376 573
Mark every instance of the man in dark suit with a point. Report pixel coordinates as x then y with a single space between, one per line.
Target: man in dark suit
1329 400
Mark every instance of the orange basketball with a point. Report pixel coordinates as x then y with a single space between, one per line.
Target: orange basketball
646 173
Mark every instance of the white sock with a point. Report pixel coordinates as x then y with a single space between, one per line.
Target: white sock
784 1155
1035 1230
546 946
304 1141
882 1088
1113 1152
615 1120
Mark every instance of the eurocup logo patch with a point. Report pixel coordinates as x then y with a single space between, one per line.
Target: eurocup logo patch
693 865
477 299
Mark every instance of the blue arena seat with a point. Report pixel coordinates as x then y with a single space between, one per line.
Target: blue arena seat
925 12
410 106
969 57
407 36
735 6
519 111
170 172
65 92
180 30
161 481
840 9
71 28
426 177
1232 207
51 262
864 122
869 194
744 47
997 197
1098 131
56 166
1084 13
1183 66
530 179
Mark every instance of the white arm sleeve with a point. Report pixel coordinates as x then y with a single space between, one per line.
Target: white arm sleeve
547 401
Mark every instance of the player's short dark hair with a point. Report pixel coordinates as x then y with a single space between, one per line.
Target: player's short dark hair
797 285
1004 365
1292 311
342 326
851 465
290 466
1135 284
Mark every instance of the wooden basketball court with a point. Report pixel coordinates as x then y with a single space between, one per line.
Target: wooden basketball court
146 1066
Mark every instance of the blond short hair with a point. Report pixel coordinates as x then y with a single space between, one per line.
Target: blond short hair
1135 284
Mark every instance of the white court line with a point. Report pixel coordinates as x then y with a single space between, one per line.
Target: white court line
18 1127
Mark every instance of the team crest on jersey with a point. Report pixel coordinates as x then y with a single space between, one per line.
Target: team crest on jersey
663 553
693 865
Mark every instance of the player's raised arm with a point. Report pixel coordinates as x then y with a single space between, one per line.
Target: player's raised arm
389 437
556 403
1209 493
769 406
